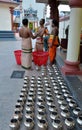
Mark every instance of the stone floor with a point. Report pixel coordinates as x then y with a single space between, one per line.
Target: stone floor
11 87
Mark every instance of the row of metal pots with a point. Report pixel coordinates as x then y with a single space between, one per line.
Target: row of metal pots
62 92
40 94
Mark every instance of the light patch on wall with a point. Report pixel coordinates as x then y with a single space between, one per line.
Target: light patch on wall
48 11
63 8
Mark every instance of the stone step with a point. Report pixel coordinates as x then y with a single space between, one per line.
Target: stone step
7 35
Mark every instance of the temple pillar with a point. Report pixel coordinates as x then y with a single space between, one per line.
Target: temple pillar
71 65
11 12
54 13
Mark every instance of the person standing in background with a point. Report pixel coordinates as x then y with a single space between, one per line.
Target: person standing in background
46 36
26 35
53 41
40 32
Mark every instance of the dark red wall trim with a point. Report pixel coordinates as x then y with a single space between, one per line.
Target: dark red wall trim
75 3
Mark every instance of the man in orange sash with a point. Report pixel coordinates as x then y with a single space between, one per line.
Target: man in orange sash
53 41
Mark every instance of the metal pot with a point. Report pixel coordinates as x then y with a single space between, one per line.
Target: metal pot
45 78
18 115
18 107
50 73
32 85
30 101
49 97
39 81
25 86
26 78
39 78
40 108
47 85
56 91
51 77
32 92
64 106
40 92
43 73
64 90
42 124
69 98
61 100
57 124
66 94
48 89
40 96
25 82
41 115
21 102
32 81
52 108
54 115
61 82
29 114
56 87
40 102
72 104
70 123
14 124
77 111
54 81
29 107
40 89
33 77
79 120
59 95
63 87
65 113
48 92
56 73
46 82
49 102
23 97
40 86
31 97
29 123
23 90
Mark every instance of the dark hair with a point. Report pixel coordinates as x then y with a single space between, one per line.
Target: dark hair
42 20
55 22
25 21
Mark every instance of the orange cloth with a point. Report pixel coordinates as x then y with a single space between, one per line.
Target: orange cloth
52 49
46 32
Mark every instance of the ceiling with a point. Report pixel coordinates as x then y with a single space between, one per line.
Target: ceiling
46 1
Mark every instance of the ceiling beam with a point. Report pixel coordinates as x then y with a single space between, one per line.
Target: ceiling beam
60 1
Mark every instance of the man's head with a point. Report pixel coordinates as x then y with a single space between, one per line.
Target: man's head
42 21
25 22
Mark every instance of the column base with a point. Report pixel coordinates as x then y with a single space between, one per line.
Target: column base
71 68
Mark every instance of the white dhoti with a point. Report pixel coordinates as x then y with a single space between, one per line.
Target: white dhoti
26 56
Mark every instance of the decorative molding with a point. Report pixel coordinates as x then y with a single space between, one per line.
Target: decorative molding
41 1
13 3
64 18
71 68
